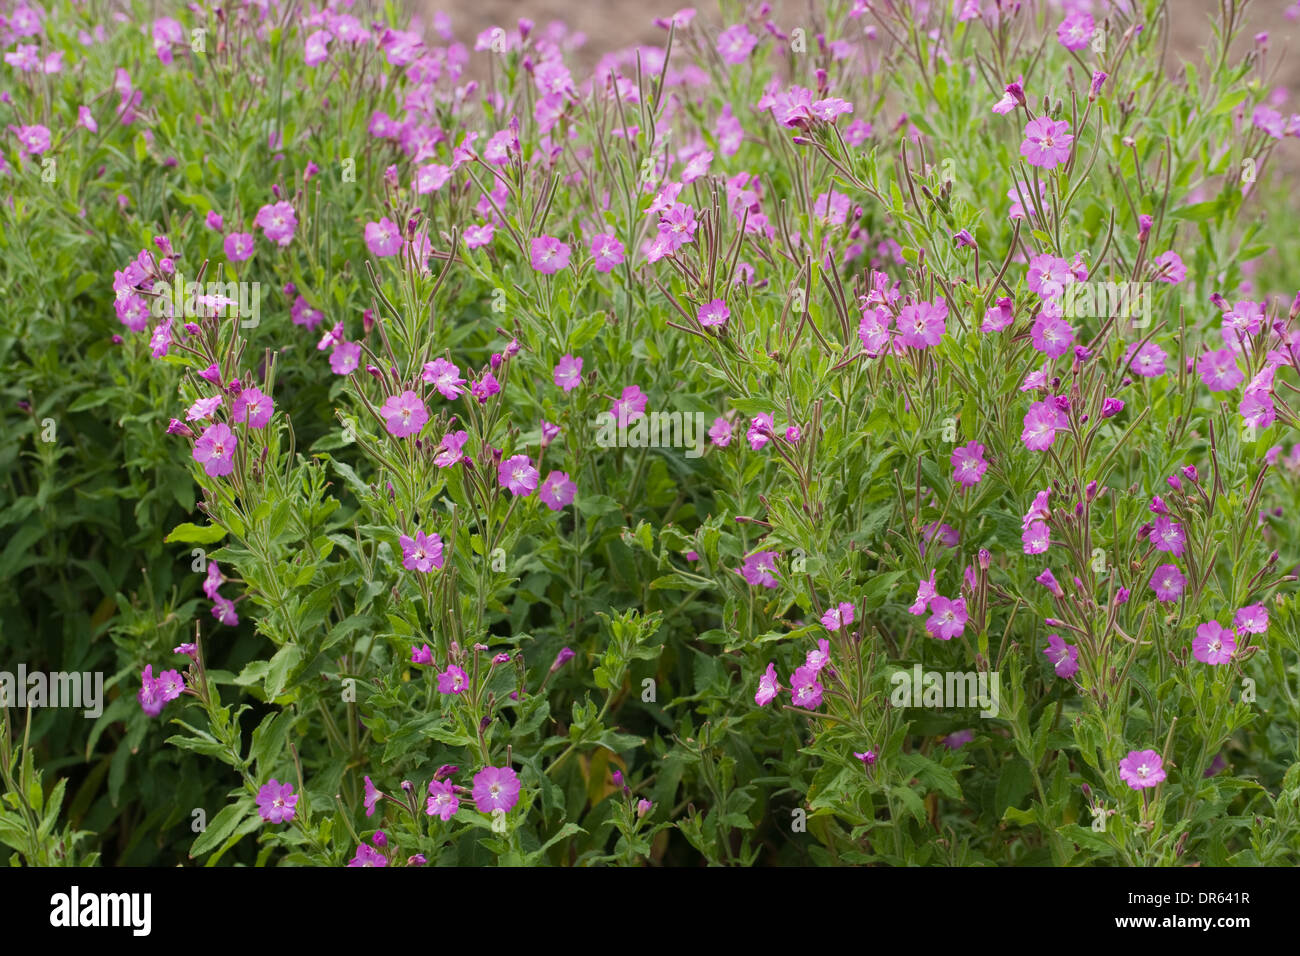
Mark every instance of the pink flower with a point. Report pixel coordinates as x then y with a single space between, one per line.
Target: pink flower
1064 657
445 377
449 449
215 450
1142 768
1170 268
150 694
1052 335
1168 583
838 617
203 408
736 43
254 407
630 406
34 139
345 358
404 415
805 689
1252 619
276 801
1214 644
818 657
1219 371
549 255
607 252
922 325
517 475
422 553
1036 538
367 855
759 569
947 618
925 593
383 238
238 246
713 313
1047 143
1041 424
277 221
968 464
768 687
443 802
1168 535
223 609
760 431
1075 31
478 236
568 373
452 680
485 388
1149 360
557 490
422 654
720 432
496 788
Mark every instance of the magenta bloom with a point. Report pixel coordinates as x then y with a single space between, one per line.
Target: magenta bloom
345 358
443 802
819 657
383 238
557 490
368 856
838 617
517 475
768 687
277 221
404 415
1041 424
34 139
1168 535
449 449
1170 267
223 609
736 43
1252 619
759 569
445 377
549 255
925 593
630 406
922 325
421 553
720 432
947 618
968 464
1036 538
1149 362
1214 644
607 252
496 788
760 431
805 688
1075 31
150 695
1218 370
215 450
422 654
238 246
568 373
1064 657
276 801
1168 583
1142 768
254 407
1047 143
1051 335
452 680
713 313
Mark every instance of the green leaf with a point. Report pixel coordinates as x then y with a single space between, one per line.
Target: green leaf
188 533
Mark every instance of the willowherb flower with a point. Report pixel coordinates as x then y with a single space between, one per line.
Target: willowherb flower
452 680
1168 583
1142 768
404 415
223 610
549 255
345 358
371 797
443 802
383 238
215 450
276 801
277 222
1214 644
968 464
713 313
922 325
947 617
606 252
735 44
367 855
557 490
254 407
1167 535
768 687
1042 422
1036 538
1252 619
1051 335
238 246
445 377
838 617
925 593
422 553
496 788
1047 142
805 688
422 654
1075 31
517 475
720 432
568 373
450 449
759 569
1064 657
819 656
630 406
